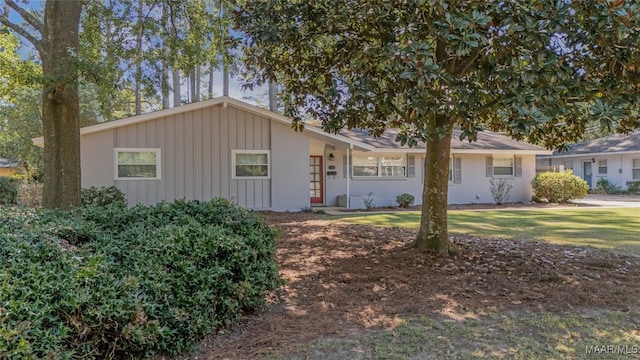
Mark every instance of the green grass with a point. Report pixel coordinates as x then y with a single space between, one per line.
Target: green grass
617 228
510 335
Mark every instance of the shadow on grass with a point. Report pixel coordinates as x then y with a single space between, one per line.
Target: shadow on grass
617 229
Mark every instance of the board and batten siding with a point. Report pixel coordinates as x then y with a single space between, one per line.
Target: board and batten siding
195 150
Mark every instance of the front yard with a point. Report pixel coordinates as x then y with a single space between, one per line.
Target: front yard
358 291
612 228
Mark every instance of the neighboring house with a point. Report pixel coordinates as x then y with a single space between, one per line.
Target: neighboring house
9 167
615 158
224 147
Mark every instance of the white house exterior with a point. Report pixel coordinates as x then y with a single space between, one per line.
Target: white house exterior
224 147
615 158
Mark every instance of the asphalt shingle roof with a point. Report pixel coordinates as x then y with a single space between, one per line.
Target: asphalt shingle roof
8 163
611 144
487 140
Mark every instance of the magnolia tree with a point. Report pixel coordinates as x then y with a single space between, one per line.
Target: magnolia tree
535 70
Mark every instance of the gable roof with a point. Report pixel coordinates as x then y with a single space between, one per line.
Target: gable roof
8 163
219 101
613 144
488 142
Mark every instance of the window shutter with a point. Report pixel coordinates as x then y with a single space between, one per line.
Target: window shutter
424 168
411 166
457 170
489 166
518 166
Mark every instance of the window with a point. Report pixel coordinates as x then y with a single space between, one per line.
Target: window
250 164
602 167
636 169
379 166
137 164
503 166
455 170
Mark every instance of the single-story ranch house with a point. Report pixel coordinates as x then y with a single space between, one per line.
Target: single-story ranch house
615 158
227 148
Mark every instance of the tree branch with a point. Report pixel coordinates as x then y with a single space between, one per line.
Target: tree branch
22 32
26 15
469 62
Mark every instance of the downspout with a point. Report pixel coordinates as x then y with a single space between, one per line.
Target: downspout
348 168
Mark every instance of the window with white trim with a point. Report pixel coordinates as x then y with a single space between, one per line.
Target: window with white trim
635 170
503 166
379 166
137 164
250 164
602 167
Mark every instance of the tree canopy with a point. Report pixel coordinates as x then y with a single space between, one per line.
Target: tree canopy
535 70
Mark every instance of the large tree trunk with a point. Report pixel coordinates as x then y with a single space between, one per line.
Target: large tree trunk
60 104
432 235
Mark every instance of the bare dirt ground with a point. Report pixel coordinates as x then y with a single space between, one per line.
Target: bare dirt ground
344 280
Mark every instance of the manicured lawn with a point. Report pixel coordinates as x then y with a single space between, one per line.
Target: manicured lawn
617 228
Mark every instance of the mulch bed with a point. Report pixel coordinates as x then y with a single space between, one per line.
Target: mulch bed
344 279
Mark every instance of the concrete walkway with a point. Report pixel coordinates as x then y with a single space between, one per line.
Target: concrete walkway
611 200
631 201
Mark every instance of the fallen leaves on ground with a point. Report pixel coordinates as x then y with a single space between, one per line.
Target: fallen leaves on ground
345 278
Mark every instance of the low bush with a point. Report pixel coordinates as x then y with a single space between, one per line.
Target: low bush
111 282
405 200
103 196
8 190
559 186
500 189
633 187
605 187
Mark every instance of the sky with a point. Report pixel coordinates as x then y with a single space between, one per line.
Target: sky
235 87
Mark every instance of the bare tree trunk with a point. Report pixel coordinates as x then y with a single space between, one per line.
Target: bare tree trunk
433 235
273 96
210 89
175 78
138 85
164 81
192 85
197 83
225 82
60 104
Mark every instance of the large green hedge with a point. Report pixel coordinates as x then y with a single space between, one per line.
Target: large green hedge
559 186
111 282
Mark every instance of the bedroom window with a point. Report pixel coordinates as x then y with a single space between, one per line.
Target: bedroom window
635 170
379 166
137 164
250 164
503 166
602 167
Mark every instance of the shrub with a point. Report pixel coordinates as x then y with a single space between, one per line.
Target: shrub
500 189
103 196
603 186
633 187
8 190
405 200
119 283
369 202
559 186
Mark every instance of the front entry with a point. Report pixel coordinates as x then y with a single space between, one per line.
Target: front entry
586 172
316 184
